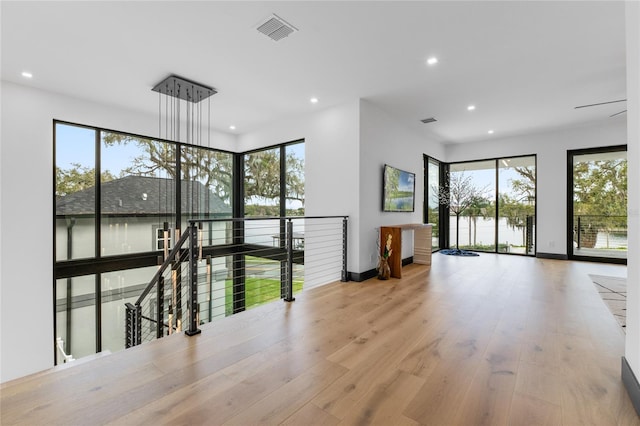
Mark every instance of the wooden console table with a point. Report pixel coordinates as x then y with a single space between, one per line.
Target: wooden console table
421 245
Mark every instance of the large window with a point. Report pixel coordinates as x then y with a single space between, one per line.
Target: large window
273 187
492 205
274 181
143 189
262 183
207 183
597 206
75 302
294 176
122 200
75 192
137 192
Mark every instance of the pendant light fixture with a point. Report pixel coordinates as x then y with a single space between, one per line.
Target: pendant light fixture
182 121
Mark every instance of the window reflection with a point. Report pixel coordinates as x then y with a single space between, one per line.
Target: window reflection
137 192
75 192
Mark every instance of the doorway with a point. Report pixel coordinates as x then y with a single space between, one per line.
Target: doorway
597 204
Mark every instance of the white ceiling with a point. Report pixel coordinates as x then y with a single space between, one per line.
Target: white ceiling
525 65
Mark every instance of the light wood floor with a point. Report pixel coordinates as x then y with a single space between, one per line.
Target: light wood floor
490 340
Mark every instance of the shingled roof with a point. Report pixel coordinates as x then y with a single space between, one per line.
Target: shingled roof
141 195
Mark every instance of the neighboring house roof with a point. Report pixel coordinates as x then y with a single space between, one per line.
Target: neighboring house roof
136 195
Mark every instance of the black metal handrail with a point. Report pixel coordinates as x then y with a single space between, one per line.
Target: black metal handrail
246 219
134 315
175 253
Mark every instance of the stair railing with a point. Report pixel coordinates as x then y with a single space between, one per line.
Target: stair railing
160 305
165 306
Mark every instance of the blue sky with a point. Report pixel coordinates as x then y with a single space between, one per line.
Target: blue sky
76 145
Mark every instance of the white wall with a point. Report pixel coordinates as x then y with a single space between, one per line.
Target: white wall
551 149
26 207
331 152
384 140
331 162
346 148
632 348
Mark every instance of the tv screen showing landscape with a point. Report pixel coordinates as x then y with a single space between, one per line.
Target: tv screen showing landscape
399 190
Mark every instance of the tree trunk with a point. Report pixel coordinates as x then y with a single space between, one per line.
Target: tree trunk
475 230
458 231
470 219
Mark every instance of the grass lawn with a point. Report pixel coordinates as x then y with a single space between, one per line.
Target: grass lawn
258 291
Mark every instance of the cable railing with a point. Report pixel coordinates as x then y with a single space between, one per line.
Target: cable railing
515 233
220 267
600 232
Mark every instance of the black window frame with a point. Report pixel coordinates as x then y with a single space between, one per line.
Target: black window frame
569 219
99 264
444 213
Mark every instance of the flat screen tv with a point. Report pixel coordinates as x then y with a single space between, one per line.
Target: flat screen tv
398 190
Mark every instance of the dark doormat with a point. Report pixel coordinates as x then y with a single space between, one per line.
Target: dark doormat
458 252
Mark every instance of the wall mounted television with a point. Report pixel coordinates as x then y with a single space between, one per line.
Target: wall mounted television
398 193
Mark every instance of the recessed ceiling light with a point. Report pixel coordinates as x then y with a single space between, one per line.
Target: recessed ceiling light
490 132
471 107
27 74
314 100
232 127
432 60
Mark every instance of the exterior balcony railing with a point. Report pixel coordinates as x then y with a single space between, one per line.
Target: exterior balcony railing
600 236
514 234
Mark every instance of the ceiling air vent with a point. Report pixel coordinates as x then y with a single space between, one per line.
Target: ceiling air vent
275 28
428 120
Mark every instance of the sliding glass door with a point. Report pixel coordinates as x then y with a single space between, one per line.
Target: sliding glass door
492 205
597 205
517 205
432 209
472 209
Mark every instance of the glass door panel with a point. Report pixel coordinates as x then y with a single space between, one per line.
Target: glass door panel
433 205
516 205
472 207
598 207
